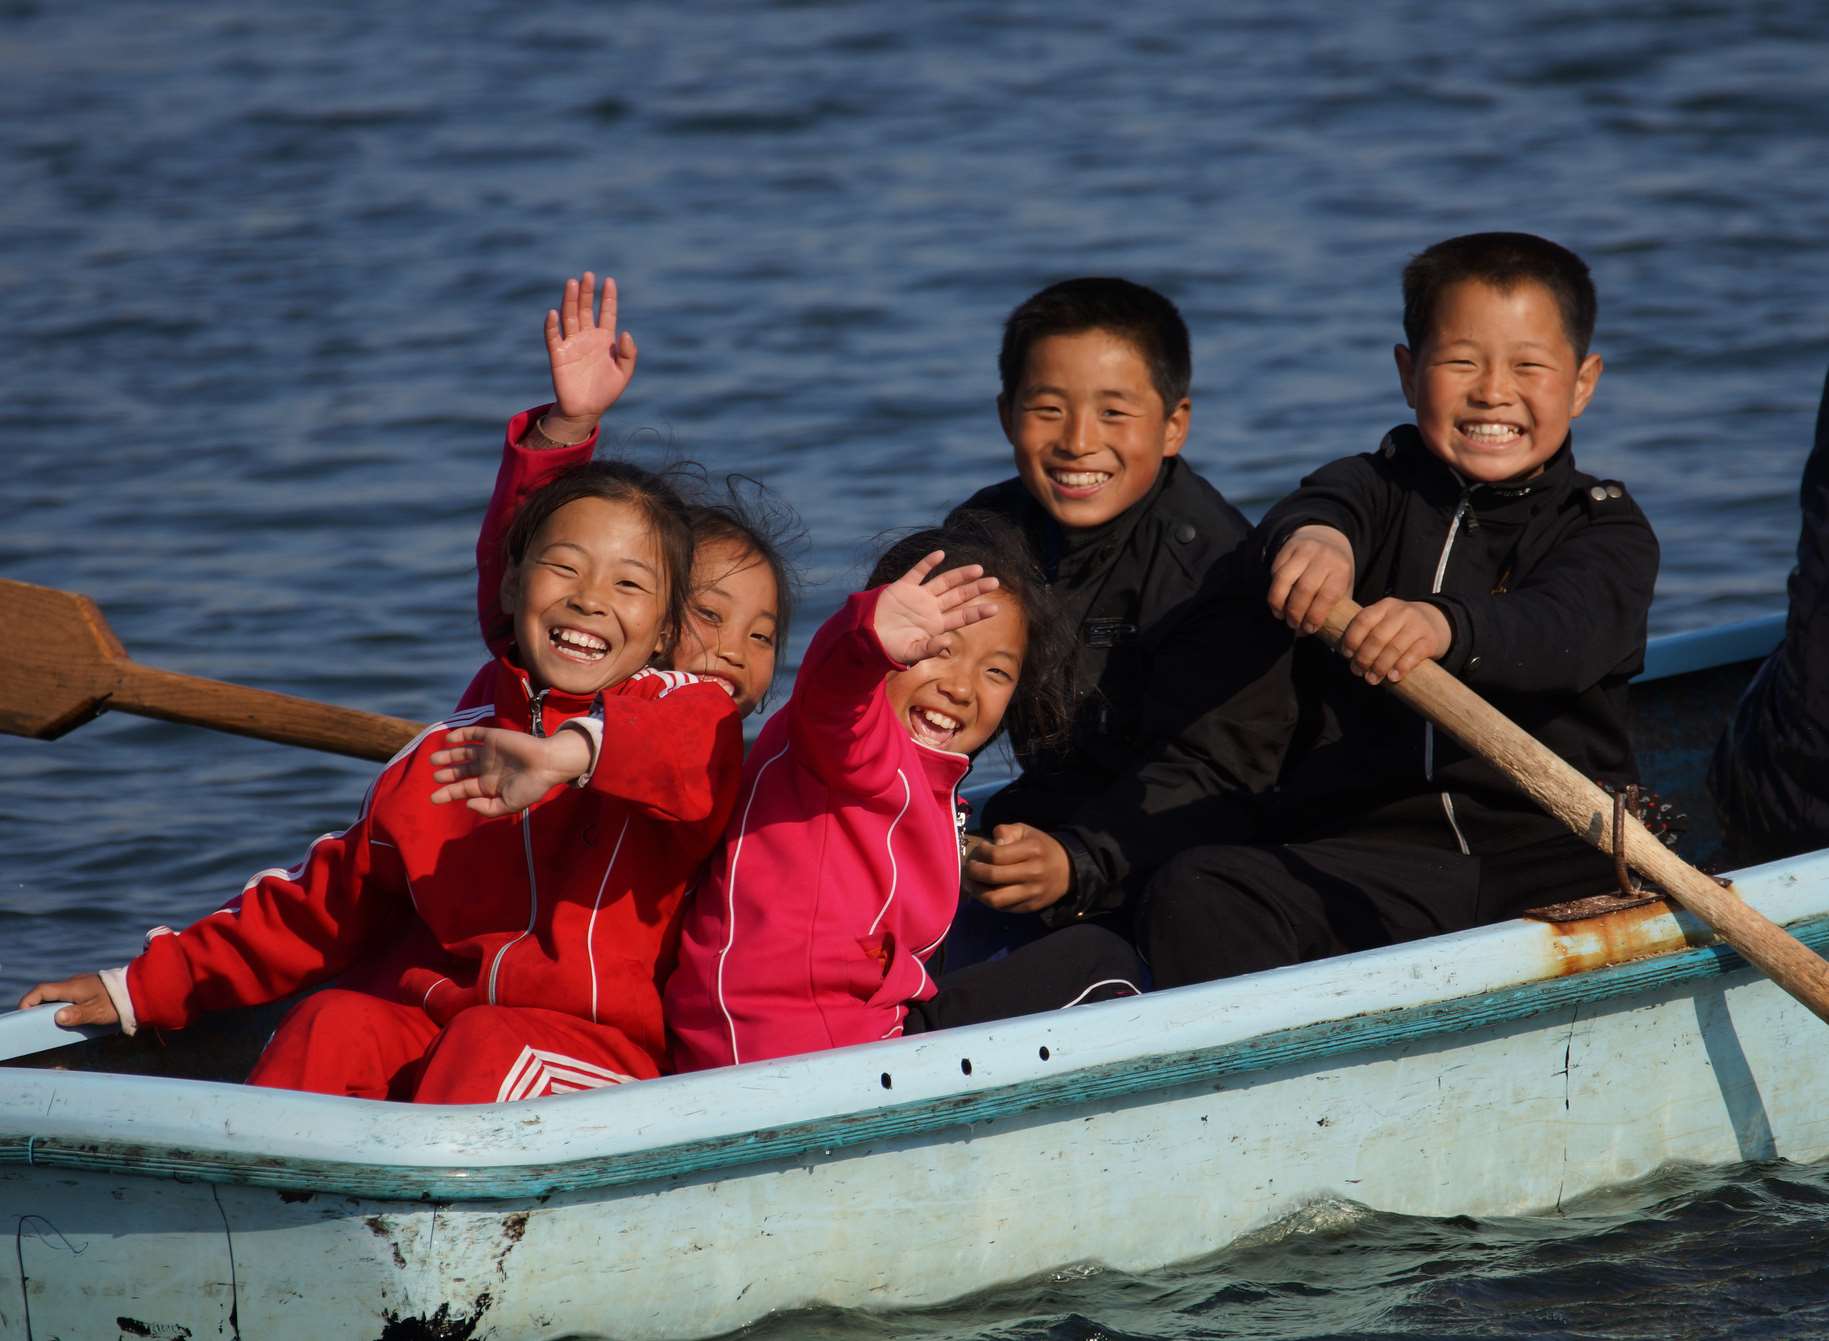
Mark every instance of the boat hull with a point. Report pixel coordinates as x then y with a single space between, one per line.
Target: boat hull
1504 1070
1511 1076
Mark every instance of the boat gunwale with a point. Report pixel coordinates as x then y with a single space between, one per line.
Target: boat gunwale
1143 1074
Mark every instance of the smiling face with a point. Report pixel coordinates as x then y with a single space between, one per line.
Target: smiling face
731 622
955 701
1496 381
588 597
1089 427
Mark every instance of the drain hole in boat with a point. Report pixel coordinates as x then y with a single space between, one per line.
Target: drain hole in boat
1043 1054
886 1084
965 1065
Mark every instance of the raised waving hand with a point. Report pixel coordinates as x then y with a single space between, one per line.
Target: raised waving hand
917 610
591 362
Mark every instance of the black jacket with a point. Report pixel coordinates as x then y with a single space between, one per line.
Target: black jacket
1182 683
1770 776
1546 585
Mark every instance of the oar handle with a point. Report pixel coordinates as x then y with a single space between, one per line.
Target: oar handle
195 701
1588 812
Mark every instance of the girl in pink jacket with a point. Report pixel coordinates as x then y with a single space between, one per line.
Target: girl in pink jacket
840 872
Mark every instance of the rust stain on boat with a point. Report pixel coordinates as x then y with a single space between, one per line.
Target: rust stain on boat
1593 933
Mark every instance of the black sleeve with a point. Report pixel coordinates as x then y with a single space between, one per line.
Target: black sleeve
1810 583
1351 495
1221 714
1577 617
1768 768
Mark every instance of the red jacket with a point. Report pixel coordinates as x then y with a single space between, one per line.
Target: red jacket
570 905
838 876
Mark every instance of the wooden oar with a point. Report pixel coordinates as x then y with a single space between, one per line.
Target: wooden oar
61 666
1588 811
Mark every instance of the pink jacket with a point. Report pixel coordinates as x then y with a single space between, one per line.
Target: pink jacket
838 875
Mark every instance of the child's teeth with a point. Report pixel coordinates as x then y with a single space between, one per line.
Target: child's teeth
583 642
1081 479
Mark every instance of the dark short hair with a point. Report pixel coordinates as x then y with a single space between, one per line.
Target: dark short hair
1041 707
1503 260
650 494
1135 313
753 518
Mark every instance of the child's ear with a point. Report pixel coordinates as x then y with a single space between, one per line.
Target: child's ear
1586 376
1406 373
1175 428
1003 418
511 588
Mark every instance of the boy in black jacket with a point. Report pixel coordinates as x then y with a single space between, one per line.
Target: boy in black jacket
1183 695
1470 538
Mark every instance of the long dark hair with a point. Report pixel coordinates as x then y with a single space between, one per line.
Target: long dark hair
1040 709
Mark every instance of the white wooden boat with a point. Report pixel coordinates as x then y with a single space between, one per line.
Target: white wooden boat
1501 1070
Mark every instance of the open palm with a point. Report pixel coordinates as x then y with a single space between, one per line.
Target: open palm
497 772
916 611
591 363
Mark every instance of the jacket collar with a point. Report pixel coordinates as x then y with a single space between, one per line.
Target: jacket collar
1443 483
515 698
1073 555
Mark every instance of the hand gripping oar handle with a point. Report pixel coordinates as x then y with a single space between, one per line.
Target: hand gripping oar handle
1588 811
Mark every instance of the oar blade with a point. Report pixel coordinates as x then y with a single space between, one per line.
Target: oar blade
58 660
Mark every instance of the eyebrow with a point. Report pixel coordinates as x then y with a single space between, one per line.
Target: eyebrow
719 591
1549 345
1048 390
643 564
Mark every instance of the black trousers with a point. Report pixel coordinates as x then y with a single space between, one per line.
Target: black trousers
1215 912
1071 967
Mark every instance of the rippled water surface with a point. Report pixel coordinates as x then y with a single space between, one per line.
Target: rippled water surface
273 275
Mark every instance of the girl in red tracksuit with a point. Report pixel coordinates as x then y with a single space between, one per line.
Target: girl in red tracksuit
513 945
840 873
742 588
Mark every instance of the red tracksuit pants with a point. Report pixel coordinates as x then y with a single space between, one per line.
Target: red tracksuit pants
345 1042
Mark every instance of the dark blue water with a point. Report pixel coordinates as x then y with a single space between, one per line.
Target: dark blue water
273 275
